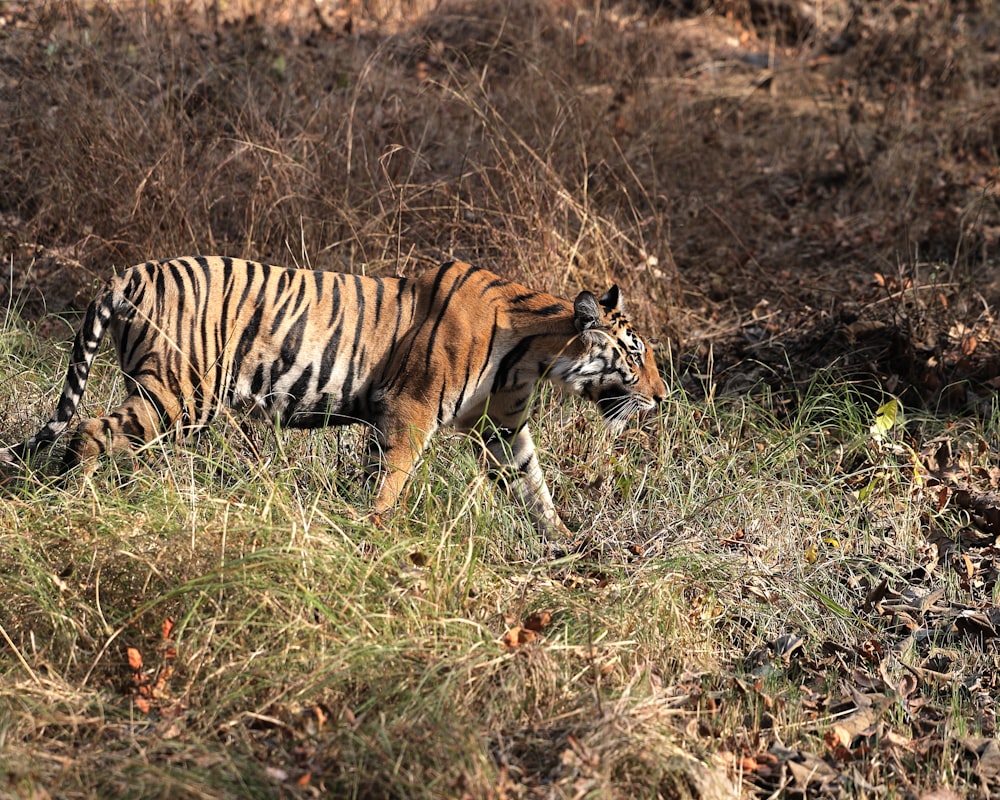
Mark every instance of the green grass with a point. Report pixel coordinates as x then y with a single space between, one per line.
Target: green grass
309 646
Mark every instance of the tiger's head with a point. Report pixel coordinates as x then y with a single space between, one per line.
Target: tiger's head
614 366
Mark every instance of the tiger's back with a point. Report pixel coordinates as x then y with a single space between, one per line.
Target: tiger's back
457 346
203 333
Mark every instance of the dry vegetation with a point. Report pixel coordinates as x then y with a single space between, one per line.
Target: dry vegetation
783 590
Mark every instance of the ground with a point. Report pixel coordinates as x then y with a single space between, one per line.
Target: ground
799 200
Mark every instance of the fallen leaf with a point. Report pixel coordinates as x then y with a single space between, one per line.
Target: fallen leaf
837 738
134 658
786 645
538 621
518 637
976 624
812 770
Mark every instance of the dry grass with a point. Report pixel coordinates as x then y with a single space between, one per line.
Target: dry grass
742 174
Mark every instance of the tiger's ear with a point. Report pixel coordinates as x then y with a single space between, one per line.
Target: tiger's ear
586 312
612 300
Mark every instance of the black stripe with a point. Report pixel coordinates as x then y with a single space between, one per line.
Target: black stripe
510 360
441 398
490 346
465 385
455 286
553 310
359 322
335 325
496 283
247 339
298 390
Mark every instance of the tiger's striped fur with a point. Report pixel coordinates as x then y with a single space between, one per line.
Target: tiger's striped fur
459 346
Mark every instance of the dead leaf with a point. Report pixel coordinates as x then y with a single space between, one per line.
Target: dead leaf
812 770
786 646
943 493
134 658
538 621
989 760
908 684
171 731
517 636
838 742
871 651
976 624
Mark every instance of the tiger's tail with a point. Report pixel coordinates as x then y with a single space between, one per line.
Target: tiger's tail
85 346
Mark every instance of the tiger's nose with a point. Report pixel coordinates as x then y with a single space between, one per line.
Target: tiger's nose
660 395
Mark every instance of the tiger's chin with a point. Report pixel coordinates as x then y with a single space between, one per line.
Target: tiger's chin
617 412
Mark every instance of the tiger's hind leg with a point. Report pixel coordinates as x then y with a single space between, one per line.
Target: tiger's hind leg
135 422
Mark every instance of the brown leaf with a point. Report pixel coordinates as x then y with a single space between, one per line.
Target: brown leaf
538 621
159 689
943 493
518 637
134 658
787 645
908 684
811 770
896 740
838 741
989 760
871 651
975 623
167 628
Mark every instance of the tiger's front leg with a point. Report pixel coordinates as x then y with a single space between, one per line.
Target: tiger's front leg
513 465
393 453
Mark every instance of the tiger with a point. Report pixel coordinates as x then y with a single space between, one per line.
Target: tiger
456 347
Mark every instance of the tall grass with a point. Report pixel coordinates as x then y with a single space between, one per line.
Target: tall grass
310 650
